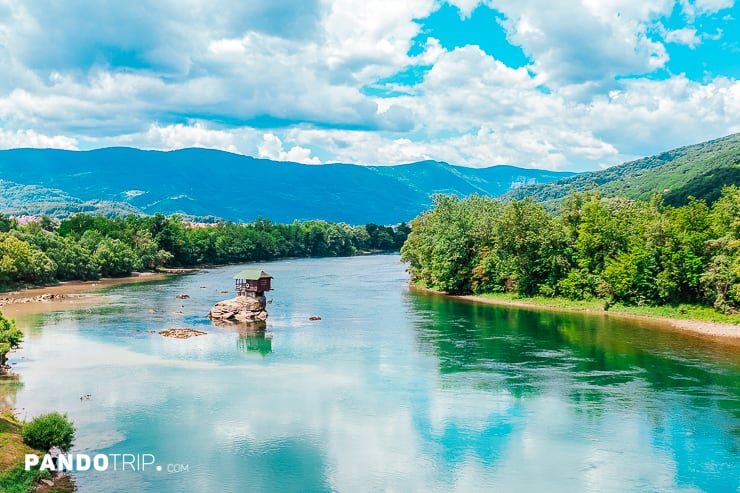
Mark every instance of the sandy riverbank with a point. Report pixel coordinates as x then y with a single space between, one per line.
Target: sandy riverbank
65 295
720 332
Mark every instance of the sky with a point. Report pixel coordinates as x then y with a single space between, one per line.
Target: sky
557 84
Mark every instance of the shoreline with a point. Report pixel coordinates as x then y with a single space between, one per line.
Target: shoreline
725 333
68 294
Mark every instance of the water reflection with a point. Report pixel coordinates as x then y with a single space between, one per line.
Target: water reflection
10 384
683 393
255 342
526 345
254 338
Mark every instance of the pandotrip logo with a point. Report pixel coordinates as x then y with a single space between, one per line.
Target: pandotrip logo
100 462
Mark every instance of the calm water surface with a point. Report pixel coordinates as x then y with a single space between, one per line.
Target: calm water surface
391 391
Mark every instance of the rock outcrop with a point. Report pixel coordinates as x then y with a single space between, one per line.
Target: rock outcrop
181 333
240 309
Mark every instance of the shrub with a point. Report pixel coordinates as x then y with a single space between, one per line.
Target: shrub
47 430
579 284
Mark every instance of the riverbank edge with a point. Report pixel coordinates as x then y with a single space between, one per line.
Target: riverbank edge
39 481
68 294
721 332
31 297
145 275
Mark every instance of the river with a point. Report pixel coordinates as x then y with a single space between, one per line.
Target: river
392 390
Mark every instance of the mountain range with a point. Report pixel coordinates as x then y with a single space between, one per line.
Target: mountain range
204 182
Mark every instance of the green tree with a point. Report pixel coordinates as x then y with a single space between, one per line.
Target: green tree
6 223
10 336
48 430
443 247
530 239
114 258
147 252
22 262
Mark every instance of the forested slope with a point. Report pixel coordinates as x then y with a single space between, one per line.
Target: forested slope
698 170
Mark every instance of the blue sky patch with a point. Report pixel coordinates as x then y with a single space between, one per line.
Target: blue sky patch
715 52
482 28
389 87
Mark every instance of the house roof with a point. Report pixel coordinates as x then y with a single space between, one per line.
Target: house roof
252 275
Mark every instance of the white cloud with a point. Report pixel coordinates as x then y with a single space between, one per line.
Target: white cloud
685 36
466 7
478 112
711 6
696 8
216 60
364 42
272 148
180 136
593 41
29 138
218 74
667 112
536 147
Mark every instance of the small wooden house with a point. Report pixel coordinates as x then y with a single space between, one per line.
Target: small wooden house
252 281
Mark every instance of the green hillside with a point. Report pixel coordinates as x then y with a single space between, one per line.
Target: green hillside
698 170
34 200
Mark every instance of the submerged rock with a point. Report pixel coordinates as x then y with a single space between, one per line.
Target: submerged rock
240 309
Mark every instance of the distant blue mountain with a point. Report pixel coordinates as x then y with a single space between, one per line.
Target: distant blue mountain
204 182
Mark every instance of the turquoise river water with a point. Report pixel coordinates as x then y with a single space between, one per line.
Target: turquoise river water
392 390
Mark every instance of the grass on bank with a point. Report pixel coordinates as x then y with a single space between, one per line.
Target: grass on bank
13 477
682 311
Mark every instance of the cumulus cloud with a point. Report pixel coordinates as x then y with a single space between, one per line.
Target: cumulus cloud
685 36
272 148
667 111
29 138
219 60
702 7
180 136
290 82
478 112
465 7
241 140
591 41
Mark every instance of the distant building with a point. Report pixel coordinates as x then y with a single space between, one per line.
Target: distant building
252 281
24 219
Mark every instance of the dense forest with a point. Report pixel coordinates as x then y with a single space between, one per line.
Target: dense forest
88 247
615 249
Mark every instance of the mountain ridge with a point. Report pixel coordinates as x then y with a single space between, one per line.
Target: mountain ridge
207 182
